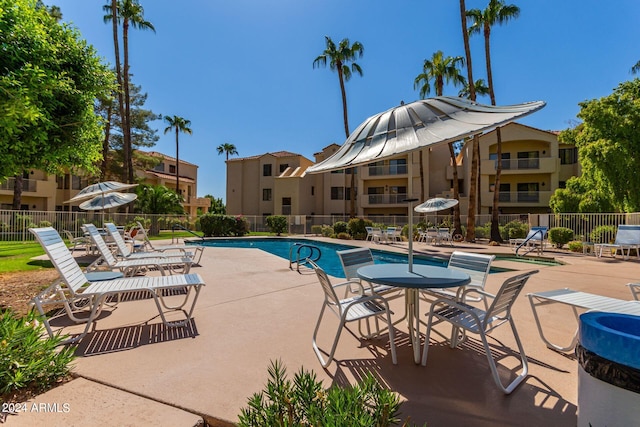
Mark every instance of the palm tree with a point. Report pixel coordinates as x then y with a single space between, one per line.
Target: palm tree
113 16
480 87
180 125
441 70
157 199
228 149
636 68
339 58
497 12
473 181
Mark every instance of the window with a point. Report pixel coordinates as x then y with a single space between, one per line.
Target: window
337 193
351 170
172 168
313 190
528 160
338 171
505 192
286 206
283 167
266 170
159 168
506 160
528 192
347 194
75 183
266 194
397 166
562 184
568 156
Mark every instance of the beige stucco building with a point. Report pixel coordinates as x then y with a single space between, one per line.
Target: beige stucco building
534 165
45 192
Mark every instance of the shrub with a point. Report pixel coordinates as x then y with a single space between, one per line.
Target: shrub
223 225
305 402
484 231
316 229
26 359
575 246
340 227
277 224
515 230
344 236
560 236
44 223
356 227
327 231
241 226
603 234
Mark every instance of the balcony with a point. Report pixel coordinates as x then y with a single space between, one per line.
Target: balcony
28 185
518 198
197 201
380 200
520 166
384 171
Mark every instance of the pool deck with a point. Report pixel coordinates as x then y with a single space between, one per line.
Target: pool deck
254 310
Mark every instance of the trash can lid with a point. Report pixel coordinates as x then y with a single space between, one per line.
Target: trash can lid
612 336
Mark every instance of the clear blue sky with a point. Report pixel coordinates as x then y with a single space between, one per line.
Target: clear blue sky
241 70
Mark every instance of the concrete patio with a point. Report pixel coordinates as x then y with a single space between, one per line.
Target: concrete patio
254 310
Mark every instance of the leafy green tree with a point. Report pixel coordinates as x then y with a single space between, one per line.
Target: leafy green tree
49 80
497 12
217 205
608 145
157 199
178 124
480 87
228 149
339 57
441 69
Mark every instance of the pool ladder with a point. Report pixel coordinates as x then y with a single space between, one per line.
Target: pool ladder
303 254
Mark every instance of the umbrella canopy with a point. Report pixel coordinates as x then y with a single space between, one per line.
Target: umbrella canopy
435 205
100 188
420 124
108 201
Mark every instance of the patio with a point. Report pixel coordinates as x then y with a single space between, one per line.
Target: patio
255 310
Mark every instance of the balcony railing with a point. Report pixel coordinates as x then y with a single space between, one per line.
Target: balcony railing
523 196
385 199
27 184
387 170
518 164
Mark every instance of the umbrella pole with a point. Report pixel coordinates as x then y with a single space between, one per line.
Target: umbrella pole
410 200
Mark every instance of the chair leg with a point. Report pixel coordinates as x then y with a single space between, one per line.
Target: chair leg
327 362
425 352
492 364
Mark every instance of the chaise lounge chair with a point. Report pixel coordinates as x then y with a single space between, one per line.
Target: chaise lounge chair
131 267
141 235
627 238
81 297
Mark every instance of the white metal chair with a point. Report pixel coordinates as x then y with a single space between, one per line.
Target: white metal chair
75 241
130 267
444 236
126 253
627 238
475 320
142 236
83 300
477 266
351 309
394 234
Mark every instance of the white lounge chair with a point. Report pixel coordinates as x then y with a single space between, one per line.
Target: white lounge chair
75 241
125 252
481 322
533 241
627 238
635 290
444 236
79 296
477 266
132 267
393 234
142 236
347 310
578 300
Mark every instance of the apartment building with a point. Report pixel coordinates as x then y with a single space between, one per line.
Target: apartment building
534 165
45 192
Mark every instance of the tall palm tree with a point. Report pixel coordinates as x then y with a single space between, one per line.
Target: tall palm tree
442 69
497 12
473 181
339 57
227 148
112 15
480 87
180 125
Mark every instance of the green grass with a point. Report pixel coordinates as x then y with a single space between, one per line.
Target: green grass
16 256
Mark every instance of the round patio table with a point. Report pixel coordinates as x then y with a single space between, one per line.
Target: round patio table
422 277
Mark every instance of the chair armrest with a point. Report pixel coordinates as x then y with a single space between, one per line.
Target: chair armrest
349 283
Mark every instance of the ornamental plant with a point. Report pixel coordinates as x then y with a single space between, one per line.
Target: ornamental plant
560 236
305 402
27 360
277 224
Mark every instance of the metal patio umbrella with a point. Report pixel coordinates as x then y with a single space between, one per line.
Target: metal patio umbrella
416 125
436 204
108 201
99 188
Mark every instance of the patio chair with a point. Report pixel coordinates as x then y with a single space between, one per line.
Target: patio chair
126 253
130 267
533 241
471 319
577 300
142 235
627 238
477 266
83 300
369 233
75 241
635 290
393 234
431 235
358 307
444 236
352 260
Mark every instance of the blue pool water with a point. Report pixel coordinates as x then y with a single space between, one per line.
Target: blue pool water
328 261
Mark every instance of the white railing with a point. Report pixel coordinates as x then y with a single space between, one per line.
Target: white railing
387 170
385 199
27 184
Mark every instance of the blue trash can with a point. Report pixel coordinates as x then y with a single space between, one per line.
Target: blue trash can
608 370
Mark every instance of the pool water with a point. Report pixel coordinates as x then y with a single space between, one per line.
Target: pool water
328 261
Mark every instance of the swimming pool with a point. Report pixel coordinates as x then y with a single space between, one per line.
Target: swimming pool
328 261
